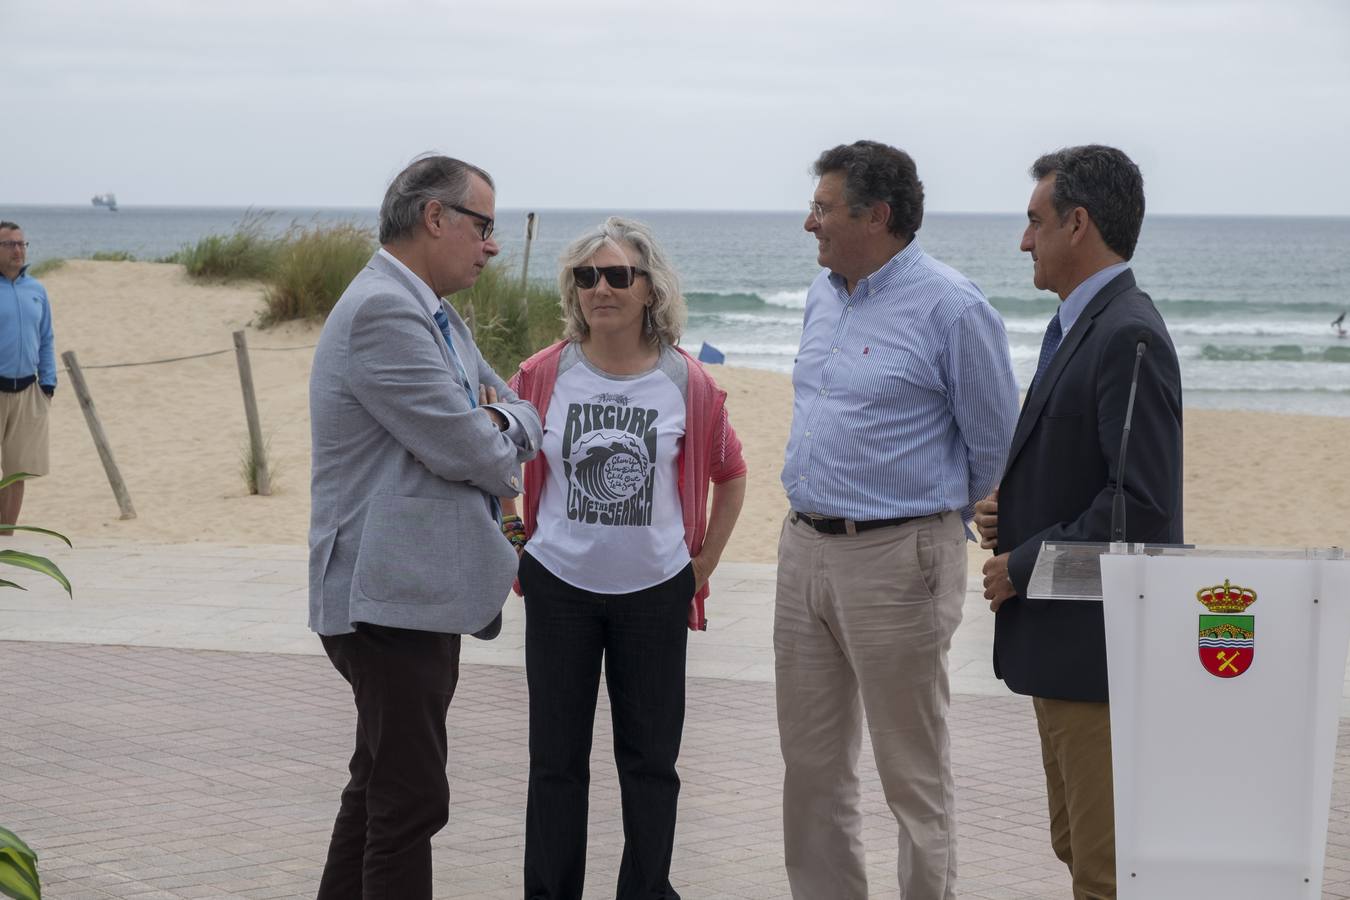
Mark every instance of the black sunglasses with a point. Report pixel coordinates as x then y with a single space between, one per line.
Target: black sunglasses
620 277
486 224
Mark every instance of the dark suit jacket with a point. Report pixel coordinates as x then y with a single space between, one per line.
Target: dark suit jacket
1061 475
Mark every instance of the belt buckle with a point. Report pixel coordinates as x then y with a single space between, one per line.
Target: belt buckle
812 521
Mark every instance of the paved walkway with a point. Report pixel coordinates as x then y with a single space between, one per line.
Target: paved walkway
175 732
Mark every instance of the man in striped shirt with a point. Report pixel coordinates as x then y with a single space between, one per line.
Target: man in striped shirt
904 409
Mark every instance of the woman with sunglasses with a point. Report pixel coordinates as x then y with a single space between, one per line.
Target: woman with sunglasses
621 542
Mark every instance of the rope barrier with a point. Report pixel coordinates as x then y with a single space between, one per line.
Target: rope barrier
174 359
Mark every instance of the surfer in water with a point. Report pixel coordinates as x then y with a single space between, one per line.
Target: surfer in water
1339 324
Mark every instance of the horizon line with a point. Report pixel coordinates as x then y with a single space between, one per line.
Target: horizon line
649 209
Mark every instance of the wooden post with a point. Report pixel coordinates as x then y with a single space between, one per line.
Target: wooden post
105 453
531 223
255 438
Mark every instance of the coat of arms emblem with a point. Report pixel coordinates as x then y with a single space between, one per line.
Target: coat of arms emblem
1227 640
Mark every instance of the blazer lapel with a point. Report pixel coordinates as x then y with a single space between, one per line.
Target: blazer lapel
1035 402
385 267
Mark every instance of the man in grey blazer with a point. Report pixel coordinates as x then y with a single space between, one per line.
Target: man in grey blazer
406 553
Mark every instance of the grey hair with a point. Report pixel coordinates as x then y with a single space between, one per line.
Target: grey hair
428 177
668 310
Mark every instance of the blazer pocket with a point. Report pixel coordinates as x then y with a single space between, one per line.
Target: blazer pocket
412 551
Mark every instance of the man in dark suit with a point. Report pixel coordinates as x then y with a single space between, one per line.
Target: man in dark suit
1083 223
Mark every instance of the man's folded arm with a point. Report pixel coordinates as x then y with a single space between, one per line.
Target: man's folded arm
525 429
398 375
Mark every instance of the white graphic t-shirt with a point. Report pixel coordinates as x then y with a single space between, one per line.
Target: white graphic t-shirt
609 513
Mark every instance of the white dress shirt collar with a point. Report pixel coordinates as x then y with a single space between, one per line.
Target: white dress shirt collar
425 294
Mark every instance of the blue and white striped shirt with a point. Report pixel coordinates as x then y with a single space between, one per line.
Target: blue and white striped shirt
905 400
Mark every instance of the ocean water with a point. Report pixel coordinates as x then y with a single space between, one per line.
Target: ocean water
1248 300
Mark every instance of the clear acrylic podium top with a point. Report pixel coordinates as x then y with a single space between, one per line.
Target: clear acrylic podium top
1072 571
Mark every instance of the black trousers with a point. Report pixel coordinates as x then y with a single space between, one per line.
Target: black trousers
398 796
642 638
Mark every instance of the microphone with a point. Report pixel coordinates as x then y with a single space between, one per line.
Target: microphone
1118 501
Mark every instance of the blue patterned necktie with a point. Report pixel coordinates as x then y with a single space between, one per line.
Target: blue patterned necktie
443 323
1054 332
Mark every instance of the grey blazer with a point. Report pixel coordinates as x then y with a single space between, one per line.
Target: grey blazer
401 529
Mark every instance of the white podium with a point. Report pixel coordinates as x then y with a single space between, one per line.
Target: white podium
1226 669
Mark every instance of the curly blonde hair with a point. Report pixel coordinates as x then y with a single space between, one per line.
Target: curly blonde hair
668 310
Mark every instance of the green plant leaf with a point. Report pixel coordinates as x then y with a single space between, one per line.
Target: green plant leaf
37 564
10 839
25 866
4 583
15 884
18 868
17 476
18 875
34 528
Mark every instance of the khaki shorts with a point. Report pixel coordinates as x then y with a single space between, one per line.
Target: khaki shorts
23 431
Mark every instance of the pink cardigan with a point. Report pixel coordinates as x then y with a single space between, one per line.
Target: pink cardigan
711 453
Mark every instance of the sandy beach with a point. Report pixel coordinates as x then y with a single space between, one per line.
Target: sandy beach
178 431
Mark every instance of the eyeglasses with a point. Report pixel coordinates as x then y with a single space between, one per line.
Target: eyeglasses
620 277
485 223
817 210
13 245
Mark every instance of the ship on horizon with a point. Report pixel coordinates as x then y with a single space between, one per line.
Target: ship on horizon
108 200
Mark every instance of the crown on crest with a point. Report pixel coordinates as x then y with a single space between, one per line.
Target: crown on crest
1226 598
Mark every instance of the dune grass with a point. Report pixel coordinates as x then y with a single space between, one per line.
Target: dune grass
248 464
112 256
248 252
313 267
506 329
306 269
46 267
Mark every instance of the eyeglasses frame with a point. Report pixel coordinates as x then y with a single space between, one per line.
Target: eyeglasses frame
486 223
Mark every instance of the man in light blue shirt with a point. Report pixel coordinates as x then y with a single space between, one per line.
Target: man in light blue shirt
27 370
904 407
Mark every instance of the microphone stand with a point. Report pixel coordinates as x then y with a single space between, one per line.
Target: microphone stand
1118 500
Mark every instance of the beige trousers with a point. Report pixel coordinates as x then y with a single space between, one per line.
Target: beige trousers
1076 753
862 624
23 431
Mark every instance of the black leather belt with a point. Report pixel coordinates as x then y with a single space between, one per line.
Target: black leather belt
14 385
846 526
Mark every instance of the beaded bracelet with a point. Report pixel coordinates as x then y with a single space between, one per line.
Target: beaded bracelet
514 529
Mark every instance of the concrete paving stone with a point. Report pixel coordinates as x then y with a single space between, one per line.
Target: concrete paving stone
134 768
217 737
79 892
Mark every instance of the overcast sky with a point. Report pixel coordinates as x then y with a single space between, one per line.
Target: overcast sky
1228 106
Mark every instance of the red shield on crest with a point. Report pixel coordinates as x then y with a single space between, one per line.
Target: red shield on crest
1227 644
